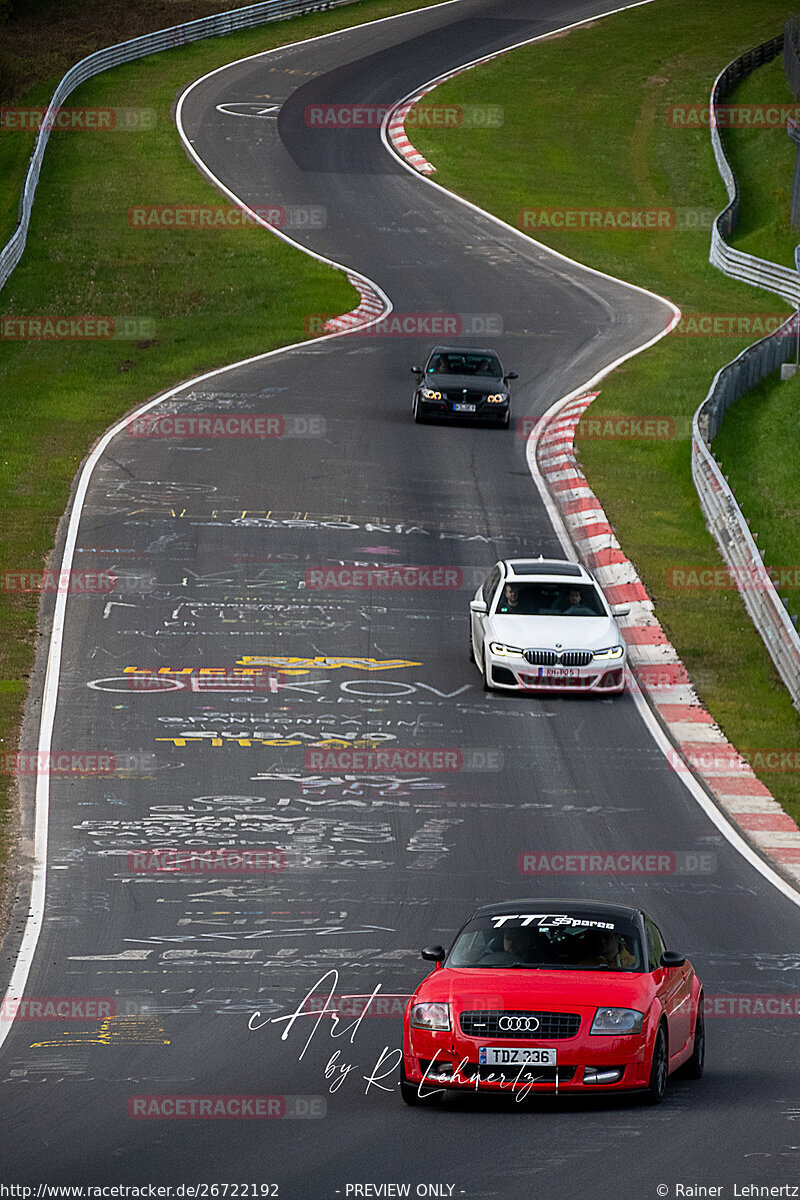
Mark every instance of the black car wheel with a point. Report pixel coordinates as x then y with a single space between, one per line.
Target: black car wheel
659 1071
693 1067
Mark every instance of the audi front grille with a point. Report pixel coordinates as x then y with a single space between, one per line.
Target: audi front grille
521 1026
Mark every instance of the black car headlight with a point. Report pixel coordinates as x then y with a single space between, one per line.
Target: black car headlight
430 394
619 1021
497 398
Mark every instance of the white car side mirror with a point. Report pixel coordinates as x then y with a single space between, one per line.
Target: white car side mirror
621 610
478 606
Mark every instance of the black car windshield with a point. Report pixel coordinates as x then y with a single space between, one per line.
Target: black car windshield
550 600
557 941
465 364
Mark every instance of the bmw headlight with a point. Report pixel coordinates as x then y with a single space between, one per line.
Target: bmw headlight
617 1020
430 1016
610 652
503 651
497 398
429 394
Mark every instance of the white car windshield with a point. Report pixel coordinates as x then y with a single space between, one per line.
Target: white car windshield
550 600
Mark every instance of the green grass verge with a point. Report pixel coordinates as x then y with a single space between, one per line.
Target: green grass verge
213 297
581 133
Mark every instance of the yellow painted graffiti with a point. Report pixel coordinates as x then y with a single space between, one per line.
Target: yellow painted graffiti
233 739
115 1030
301 666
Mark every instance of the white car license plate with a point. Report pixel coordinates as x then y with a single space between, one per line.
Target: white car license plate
516 1056
460 407
558 673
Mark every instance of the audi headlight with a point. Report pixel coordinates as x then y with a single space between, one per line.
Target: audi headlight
497 398
610 652
502 651
617 1020
430 1016
429 394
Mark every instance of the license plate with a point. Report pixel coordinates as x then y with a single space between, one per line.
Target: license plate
516 1056
558 673
459 407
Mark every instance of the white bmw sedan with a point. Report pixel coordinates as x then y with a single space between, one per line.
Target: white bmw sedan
543 625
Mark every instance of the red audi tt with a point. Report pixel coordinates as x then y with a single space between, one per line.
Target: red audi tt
553 996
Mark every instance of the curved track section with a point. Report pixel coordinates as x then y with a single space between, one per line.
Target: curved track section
376 864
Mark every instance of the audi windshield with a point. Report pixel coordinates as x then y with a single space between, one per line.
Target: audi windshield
571 941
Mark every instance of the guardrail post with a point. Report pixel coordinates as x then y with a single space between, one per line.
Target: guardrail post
793 130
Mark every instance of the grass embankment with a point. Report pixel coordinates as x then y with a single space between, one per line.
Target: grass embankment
212 297
606 117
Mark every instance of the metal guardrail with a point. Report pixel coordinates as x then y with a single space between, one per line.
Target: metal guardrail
123 52
791 56
723 515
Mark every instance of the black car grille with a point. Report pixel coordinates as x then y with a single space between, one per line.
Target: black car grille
550 1025
459 396
564 658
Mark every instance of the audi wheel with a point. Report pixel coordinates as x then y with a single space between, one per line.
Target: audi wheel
659 1071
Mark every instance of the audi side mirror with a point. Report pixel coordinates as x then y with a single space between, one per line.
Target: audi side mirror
478 606
510 375
434 954
416 370
672 958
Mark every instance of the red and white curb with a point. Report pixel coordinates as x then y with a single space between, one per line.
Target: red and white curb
701 746
399 138
372 305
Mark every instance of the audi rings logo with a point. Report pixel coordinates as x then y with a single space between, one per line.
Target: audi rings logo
518 1024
